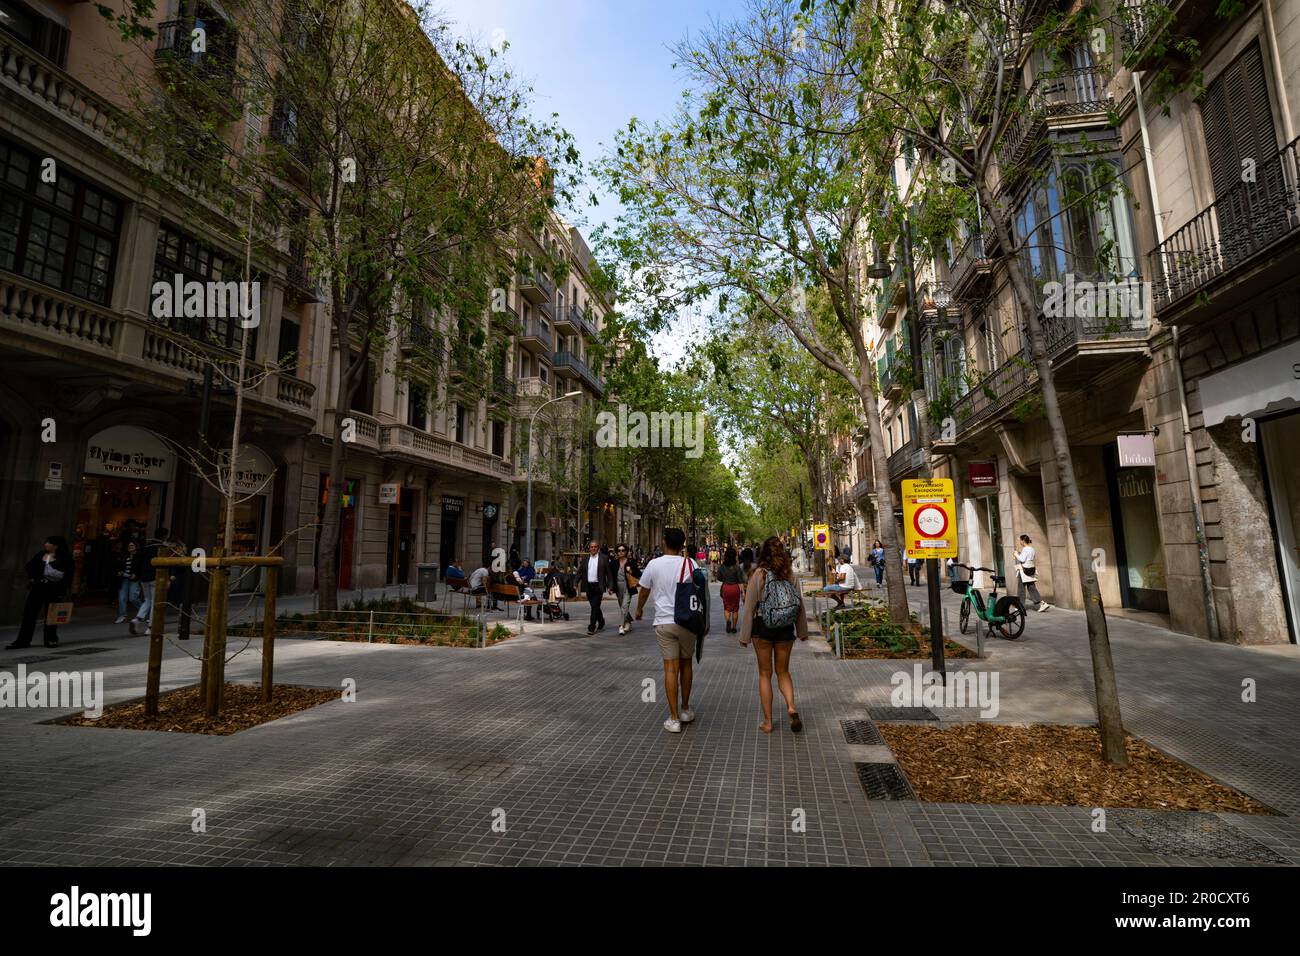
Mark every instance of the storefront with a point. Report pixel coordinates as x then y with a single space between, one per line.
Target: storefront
1135 523
453 507
344 556
400 505
982 516
254 483
126 487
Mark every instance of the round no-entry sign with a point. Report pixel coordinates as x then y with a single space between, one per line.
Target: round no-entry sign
930 518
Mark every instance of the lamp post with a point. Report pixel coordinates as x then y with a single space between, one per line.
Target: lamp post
879 265
532 423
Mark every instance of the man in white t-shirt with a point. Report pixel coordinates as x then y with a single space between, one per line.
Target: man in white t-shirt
659 579
845 580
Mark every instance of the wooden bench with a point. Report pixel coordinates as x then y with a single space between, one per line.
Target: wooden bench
513 594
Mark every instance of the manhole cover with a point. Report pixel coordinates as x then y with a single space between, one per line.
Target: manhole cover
862 732
31 659
1192 834
86 650
901 713
884 781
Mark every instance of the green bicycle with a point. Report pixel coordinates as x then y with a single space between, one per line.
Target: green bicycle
1005 616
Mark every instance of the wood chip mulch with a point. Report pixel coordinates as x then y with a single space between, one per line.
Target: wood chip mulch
1050 765
181 711
950 651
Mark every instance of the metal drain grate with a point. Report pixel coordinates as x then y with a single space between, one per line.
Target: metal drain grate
901 713
862 732
1192 834
884 781
87 650
30 659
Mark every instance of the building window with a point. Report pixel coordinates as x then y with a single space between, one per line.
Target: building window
458 433
39 34
499 438
417 408
62 234
194 260
364 395
286 354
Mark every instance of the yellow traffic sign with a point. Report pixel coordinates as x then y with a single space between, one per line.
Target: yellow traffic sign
929 518
822 537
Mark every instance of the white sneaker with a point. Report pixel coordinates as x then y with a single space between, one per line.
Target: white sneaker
686 716
622 629
673 726
1044 607
120 619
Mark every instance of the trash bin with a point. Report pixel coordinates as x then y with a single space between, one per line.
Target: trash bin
426 582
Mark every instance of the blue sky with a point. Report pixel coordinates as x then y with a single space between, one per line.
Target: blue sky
595 62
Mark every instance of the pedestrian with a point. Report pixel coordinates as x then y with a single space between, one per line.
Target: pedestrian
878 561
49 575
774 616
596 572
128 587
676 643
914 571
1027 574
523 576
846 579
478 582
747 562
732 576
146 574
627 576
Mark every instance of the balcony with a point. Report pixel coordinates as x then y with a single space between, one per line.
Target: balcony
507 320
862 490
1139 20
43 324
533 387
414 445
301 281
971 263
535 287
566 321
1236 237
209 74
45 92
585 321
537 337
1079 348
1057 98
503 388
906 460
570 365
547 308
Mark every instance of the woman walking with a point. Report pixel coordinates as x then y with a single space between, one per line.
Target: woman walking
625 589
49 573
774 616
1027 574
732 576
878 561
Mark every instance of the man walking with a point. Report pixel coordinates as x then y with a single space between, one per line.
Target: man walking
677 644
596 572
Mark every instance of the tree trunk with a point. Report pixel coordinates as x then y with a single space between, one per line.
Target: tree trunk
327 579
1109 722
895 590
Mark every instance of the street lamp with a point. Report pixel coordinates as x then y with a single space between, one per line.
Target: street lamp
528 551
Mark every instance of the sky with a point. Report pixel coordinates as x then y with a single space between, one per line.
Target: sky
597 63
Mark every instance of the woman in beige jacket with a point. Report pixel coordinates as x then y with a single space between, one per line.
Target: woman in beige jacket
772 645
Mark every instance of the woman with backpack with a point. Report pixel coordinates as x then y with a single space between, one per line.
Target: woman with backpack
773 617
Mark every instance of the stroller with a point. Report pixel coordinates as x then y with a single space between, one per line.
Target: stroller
556 586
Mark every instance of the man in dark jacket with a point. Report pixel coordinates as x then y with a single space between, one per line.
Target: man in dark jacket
146 574
596 576
49 573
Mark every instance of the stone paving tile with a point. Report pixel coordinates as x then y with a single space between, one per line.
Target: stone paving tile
550 728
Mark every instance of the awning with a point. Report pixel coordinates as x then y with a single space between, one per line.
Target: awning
1260 386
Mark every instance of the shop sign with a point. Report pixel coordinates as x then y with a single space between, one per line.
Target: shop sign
1137 451
390 493
453 504
490 511
821 537
982 474
122 451
253 473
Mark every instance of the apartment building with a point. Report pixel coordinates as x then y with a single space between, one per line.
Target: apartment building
102 398
1217 249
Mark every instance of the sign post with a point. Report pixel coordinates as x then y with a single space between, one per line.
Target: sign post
930 532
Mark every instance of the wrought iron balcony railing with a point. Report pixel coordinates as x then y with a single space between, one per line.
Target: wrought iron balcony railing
1232 230
568 360
214 65
1054 94
972 259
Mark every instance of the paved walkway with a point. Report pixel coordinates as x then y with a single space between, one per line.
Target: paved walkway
547 735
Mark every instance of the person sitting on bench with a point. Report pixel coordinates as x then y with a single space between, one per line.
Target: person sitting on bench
455 576
478 582
846 580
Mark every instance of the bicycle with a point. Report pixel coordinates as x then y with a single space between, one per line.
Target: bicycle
1005 616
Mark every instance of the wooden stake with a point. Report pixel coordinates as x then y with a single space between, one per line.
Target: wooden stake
156 623
268 633
216 657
